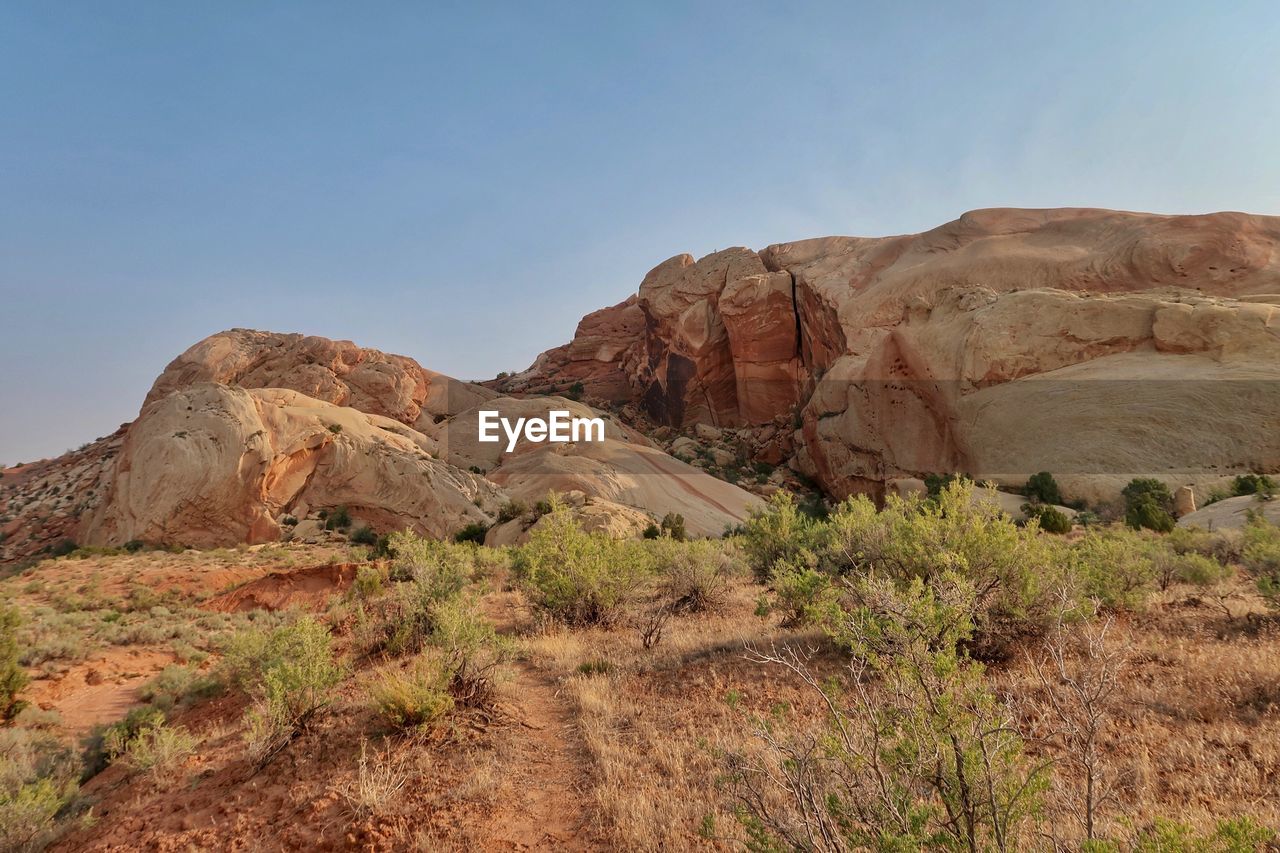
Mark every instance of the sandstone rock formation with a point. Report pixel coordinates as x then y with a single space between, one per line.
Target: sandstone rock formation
1098 345
211 465
247 433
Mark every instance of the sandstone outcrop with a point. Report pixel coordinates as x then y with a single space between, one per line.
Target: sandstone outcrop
211 465
1095 344
250 436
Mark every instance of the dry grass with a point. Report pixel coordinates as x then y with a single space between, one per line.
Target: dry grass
1195 734
377 783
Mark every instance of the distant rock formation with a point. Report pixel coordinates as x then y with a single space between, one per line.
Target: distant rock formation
1097 345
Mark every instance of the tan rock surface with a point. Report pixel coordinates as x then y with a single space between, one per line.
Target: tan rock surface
211 465
1095 344
1231 513
337 372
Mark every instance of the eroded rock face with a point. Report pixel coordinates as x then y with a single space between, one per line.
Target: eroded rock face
1098 345
211 465
232 446
337 372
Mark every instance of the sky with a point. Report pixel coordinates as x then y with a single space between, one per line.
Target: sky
461 182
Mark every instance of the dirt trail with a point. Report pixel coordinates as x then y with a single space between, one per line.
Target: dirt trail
548 763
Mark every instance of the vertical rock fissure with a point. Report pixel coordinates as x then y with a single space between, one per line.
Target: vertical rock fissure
795 309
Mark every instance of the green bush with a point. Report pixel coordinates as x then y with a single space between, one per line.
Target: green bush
414 698
695 575
777 532
473 532
576 577
38 780
154 748
803 594
1116 567
1148 504
1253 484
338 519
511 510
1050 519
1236 835
652 531
1043 487
364 536
1017 572
673 526
441 569
918 752
13 677
291 673
1261 556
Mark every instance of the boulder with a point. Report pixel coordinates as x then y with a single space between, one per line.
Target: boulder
1184 501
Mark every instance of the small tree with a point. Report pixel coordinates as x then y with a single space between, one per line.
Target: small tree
1253 484
1148 504
673 526
1043 487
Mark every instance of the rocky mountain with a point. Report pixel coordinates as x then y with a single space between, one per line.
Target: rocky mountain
1098 345
250 436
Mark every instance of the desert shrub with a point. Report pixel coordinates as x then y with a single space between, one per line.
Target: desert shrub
511 510
917 752
777 532
177 686
673 526
695 575
13 678
369 582
803 594
1189 567
472 651
1016 572
934 484
1115 566
1043 487
1148 504
652 531
38 779
63 547
415 697
335 428
1049 518
1261 555
364 536
440 568
291 673
575 577
338 519
429 573
1253 484
133 546
473 532
154 748
1164 835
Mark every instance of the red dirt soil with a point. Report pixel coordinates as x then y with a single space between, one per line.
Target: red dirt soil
304 589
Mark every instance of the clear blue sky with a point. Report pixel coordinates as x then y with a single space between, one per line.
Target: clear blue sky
460 182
